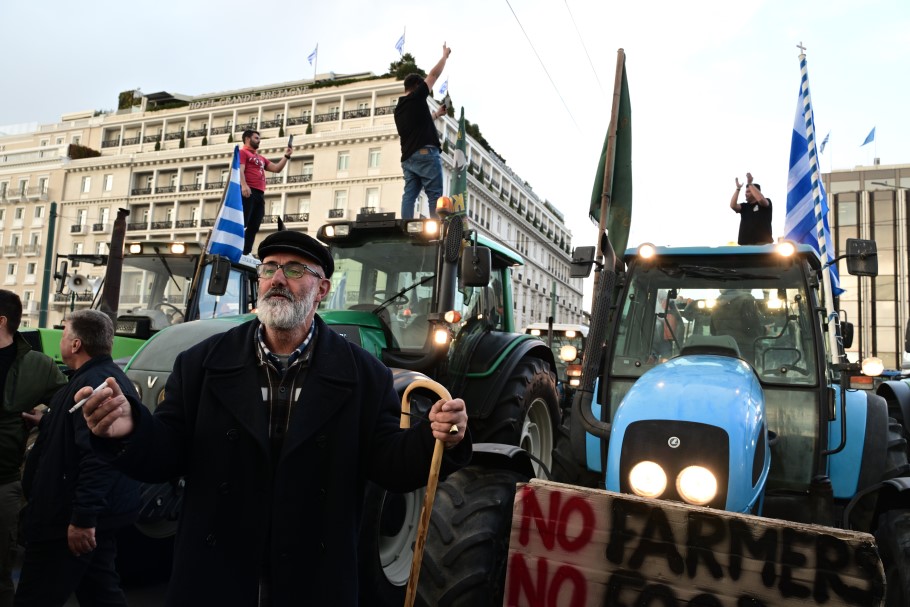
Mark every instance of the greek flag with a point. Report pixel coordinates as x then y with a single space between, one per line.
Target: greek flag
807 202
399 46
312 56
869 138
444 88
227 235
821 150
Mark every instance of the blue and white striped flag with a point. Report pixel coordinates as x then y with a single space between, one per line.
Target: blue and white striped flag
399 46
312 56
821 150
807 202
227 235
444 88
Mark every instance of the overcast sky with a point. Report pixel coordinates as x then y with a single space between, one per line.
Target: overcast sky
713 84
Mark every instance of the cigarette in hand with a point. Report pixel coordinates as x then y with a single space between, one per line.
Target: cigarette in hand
84 400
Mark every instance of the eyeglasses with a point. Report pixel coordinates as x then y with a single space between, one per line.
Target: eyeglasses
292 270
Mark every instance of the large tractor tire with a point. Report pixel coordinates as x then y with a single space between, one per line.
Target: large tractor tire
893 538
388 530
526 415
464 562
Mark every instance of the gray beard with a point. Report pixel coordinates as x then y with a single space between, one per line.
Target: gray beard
276 312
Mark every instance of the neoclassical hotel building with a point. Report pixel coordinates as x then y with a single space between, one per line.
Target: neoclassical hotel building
166 157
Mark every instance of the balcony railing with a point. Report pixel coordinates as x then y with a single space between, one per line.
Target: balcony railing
173 136
31 249
384 110
161 225
300 178
360 113
336 213
270 218
185 223
297 217
242 127
99 227
141 191
326 117
220 130
271 124
12 250
214 185
190 187
298 120
77 228
207 222
138 225
130 140
151 139
166 189
368 210
274 180
196 133
110 143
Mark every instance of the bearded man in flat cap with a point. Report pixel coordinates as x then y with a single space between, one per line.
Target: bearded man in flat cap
277 425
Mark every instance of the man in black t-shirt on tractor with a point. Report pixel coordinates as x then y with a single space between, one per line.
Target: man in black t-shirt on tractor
754 214
420 160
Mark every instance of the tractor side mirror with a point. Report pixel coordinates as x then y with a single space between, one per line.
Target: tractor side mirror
582 261
846 334
61 276
476 266
221 272
862 257
907 339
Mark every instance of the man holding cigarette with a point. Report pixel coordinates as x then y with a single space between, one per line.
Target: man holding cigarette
76 502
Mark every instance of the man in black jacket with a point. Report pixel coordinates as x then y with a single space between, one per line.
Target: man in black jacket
277 425
76 502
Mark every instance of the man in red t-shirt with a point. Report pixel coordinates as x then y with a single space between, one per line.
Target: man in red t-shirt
252 184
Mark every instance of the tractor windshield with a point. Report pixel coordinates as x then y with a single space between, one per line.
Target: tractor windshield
760 313
156 286
392 279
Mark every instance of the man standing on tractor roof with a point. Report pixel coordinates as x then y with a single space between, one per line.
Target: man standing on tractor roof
420 160
754 214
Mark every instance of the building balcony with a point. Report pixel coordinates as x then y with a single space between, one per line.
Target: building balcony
196 133
274 180
298 120
300 178
220 130
336 213
137 225
151 139
297 217
271 218
161 225
31 249
271 124
207 223
185 223
141 191
242 127
326 117
214 185
110 143
361 113
190 187
166 189
101 228
384 110
77 228
131 140
369 210
12 250
173 136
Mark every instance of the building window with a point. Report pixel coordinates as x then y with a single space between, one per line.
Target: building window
31 268
303 205
42 185
375 155
108 183
20 213
372 197
23 186
10 269
344 160
81 215
308 170
100 248
103 214
86 185
77 139
341 199
59 141
39 212
3 187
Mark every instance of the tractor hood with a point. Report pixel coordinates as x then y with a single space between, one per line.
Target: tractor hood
695 410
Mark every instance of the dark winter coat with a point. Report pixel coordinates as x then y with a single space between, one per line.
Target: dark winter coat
31 380
300 521
64 481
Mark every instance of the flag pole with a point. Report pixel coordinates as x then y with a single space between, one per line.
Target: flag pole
833 319
315 63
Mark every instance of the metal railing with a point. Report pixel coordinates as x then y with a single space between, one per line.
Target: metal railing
141 191
300 178
336 213
326 117
185 223
98 227
190 187
138 225
12 249
166 189
359 113
274 180
110 143
242 127
214 185
298 120
131 140
31 249
270 124
173 136
196 133
297 217
270 218
77 228
161 225
220 130
384 110
208 222
151 139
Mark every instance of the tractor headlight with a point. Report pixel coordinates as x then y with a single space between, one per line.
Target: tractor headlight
568 353
647 479
696 485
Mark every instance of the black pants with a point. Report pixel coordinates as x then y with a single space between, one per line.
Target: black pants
50 574
253 211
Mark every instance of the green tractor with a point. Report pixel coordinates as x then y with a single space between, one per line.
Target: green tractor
430 301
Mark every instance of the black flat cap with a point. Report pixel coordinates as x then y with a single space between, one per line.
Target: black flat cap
289 241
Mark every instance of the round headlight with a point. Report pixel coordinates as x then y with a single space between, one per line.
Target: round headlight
696 485
568 353
647 479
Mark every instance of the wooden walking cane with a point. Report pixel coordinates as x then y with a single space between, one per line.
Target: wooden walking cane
423 526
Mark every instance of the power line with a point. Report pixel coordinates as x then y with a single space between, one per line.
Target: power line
542 65
591 63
